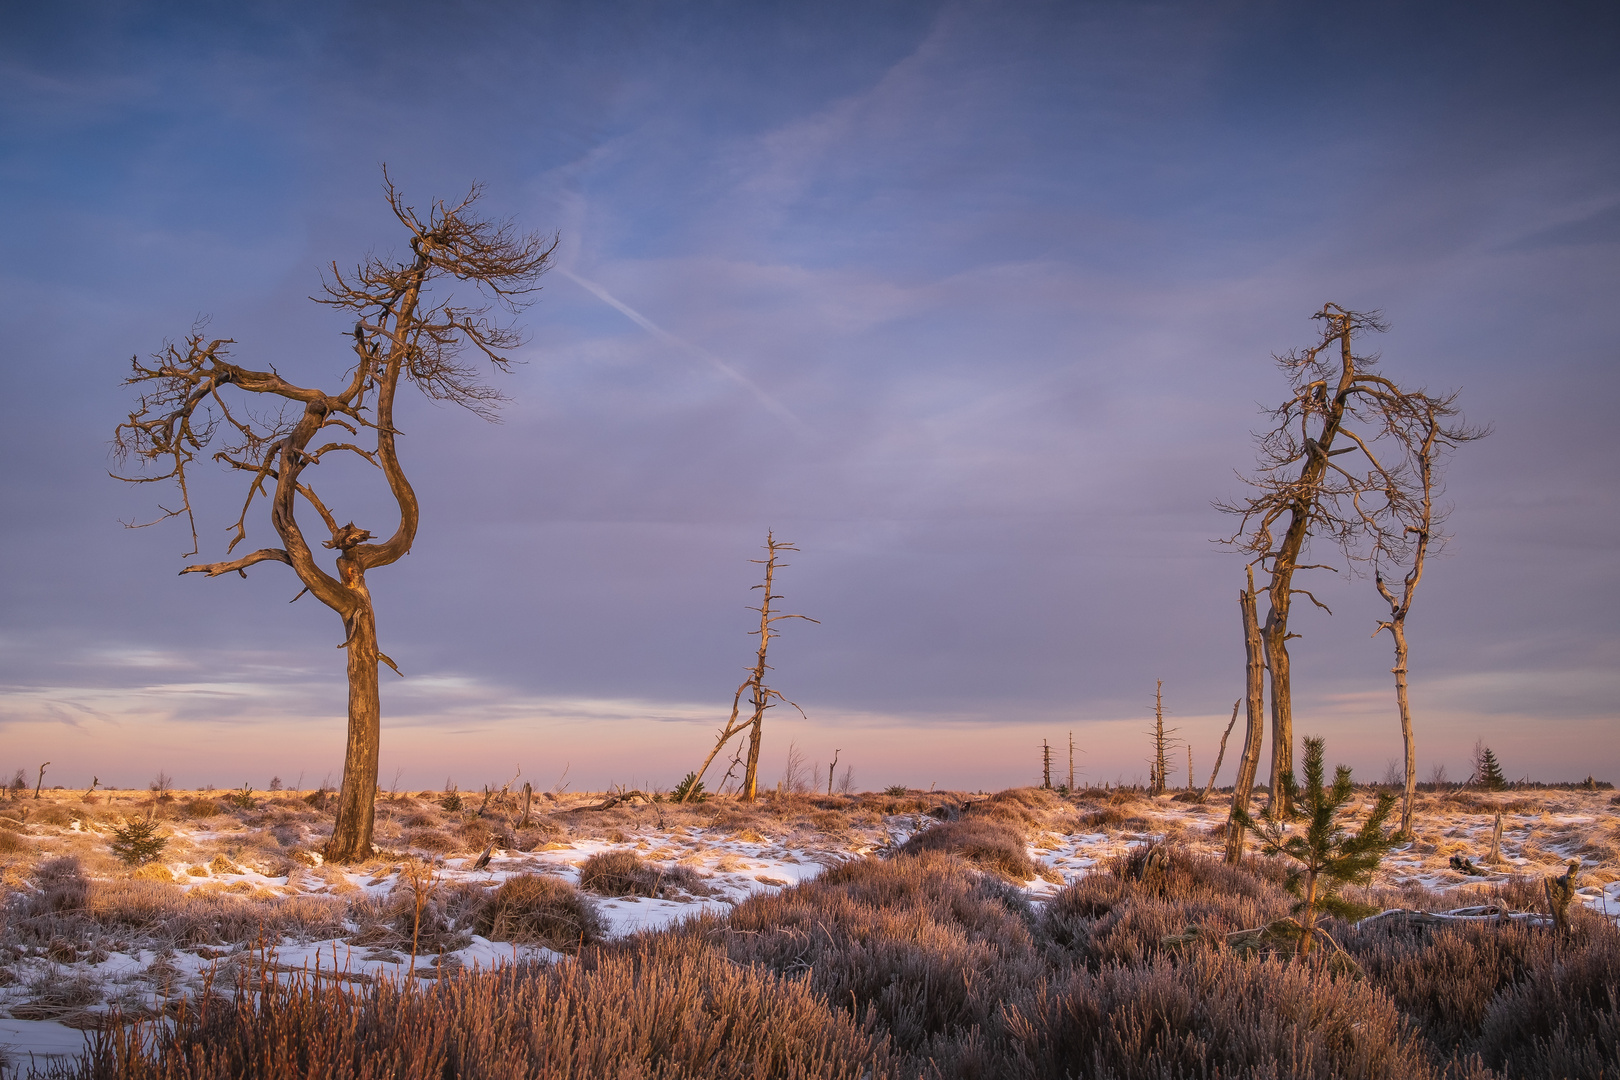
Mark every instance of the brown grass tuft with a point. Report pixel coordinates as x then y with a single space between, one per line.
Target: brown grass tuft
538 909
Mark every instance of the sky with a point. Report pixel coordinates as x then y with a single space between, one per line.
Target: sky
974 303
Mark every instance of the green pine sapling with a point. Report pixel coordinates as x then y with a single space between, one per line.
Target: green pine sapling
1328 857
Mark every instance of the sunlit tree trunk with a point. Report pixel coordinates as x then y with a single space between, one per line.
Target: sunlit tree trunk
1254 669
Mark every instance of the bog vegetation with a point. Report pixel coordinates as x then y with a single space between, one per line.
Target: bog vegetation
942 935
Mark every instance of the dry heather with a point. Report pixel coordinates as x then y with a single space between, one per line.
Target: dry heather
920 943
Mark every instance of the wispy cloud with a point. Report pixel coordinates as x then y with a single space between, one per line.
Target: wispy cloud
693 350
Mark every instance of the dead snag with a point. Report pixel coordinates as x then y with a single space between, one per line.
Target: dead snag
760 696
1220 757
1162 741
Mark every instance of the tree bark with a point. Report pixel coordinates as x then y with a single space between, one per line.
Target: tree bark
1274 636
357 798
1398 629
1255 728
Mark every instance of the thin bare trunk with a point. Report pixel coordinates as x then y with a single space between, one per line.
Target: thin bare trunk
1249 763
760 695
1422 525
1220 757
1409 793
761 699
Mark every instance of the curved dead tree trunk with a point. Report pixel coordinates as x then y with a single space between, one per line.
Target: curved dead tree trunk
192 397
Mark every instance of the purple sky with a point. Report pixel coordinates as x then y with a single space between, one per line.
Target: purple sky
973 302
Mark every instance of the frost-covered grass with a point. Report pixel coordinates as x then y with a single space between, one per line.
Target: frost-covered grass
242 890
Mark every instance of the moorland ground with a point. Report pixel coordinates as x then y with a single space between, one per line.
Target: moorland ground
1028 933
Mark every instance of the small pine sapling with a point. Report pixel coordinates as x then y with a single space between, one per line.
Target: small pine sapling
1327 857
451 799
137 842
242 797
690 789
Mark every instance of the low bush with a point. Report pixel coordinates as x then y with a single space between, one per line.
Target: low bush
1123 914
537 909
923 944
1209 1014
990 842
624 873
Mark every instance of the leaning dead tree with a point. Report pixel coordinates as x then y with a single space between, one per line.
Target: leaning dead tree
760 696
1322 475
1221 755
277 433
1434 431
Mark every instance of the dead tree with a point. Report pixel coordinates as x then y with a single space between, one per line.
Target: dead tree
277 432
1338 407
833 765
1071 761
1254 682
1162 741
1432 433
1221 756
1046 765
760 696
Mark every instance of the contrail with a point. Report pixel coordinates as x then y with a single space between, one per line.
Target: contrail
686 346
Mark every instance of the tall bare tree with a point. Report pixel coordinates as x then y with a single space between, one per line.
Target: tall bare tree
1433 432
760 696
193 396
1338 406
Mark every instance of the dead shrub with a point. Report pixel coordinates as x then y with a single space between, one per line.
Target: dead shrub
624 873
433 840
991 843
202 808
52 814
62 887
538 909
10 843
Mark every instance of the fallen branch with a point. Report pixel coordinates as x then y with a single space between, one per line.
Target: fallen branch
1484 913
610 802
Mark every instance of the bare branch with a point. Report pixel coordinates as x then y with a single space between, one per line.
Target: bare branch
240 565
